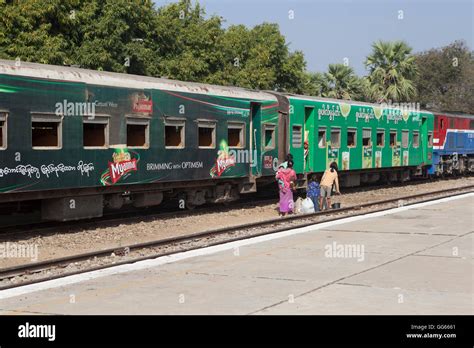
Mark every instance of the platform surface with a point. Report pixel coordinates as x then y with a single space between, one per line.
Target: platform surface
418 261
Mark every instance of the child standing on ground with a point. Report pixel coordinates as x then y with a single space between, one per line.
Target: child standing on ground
313 191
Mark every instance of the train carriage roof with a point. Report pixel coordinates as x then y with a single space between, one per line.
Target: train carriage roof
105 78
460 115
332 100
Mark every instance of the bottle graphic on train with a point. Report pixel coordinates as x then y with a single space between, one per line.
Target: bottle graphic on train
124 162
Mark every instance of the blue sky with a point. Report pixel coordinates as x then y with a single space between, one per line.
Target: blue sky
327 31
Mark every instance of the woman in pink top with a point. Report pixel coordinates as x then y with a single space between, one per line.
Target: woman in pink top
285 177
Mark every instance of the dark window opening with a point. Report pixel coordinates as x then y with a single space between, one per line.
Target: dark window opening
380 138
136 135
206 137
45 134
351 138
471 124
322 138
366 137
94 134
297 138
430 139
234 137
441 125
174 136
393 138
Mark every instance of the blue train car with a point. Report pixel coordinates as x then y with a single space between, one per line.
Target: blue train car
453 144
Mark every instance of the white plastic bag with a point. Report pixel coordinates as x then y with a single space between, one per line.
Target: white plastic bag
307 206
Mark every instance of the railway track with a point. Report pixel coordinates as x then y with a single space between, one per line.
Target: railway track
8 232
23 229
57 268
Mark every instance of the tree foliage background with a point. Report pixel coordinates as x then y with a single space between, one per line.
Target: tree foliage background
131 36
179 41
446 78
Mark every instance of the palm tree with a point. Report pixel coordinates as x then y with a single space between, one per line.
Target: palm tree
314 84
392 70
342 83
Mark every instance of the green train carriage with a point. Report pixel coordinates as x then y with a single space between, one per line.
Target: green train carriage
366 141
76 140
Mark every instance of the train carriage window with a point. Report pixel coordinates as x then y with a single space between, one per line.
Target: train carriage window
269 136
95 132
174 134
404 139
297 137
3 130
335 138
351 137
46 132
137 133
471 124
416 139
366 137
322 138
380 138
430 139
460 140
393 138
206 134
441 124
236 134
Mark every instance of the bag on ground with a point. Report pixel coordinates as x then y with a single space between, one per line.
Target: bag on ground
307 206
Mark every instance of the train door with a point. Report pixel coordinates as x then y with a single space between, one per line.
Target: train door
309 139
296 135
255 136
424 139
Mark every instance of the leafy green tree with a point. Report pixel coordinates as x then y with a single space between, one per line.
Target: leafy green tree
131 36
29 30
188 44
117 35
446 78
259 58
392 70
103 35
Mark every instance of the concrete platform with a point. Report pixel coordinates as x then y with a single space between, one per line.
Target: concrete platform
410 261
